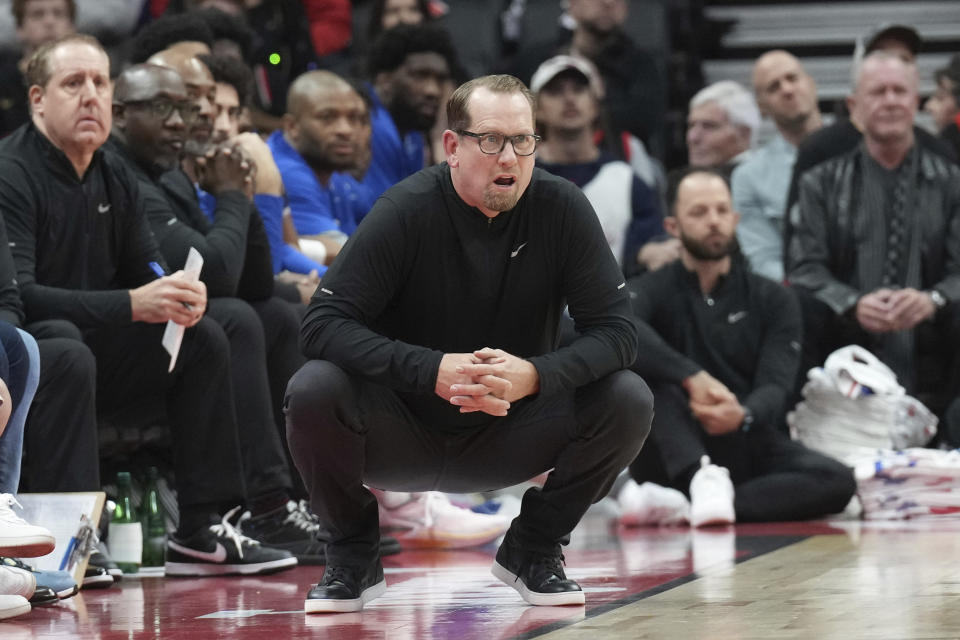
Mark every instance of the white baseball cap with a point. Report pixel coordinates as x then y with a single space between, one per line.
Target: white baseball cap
553 67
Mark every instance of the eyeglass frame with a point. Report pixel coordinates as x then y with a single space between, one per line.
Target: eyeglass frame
503 145
182 107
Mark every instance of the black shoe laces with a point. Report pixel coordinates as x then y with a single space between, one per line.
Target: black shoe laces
343 575
543 566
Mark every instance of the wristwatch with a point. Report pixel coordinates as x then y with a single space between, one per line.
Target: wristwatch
747 420
939 301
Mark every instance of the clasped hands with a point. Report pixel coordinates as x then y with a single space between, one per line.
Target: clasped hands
713 404
887 310
487 380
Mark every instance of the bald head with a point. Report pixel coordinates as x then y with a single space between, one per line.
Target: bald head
141 82
201 89
151 114
327 122
785 92
310 85
184 62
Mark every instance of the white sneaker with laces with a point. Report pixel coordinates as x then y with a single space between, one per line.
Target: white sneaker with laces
11 606
17 582
18 538
429 520
711 496
650 504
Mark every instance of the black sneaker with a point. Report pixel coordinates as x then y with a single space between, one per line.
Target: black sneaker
43 596
101 558
220 550
346 588
537 577
96 578
292 528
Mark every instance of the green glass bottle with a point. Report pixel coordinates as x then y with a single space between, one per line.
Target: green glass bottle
153 519
125 540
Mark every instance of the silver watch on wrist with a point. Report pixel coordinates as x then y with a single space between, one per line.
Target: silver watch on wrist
939 301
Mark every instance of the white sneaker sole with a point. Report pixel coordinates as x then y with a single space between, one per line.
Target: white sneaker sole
100 581
539 599
14 609
201 569
717 518
26 546
332 605
421 539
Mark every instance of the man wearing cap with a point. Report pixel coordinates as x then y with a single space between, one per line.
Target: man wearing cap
875 253
944 104
569 92
787 94
829 142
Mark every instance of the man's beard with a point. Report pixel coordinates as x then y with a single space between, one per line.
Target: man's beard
196 148
500 201
407 118
701 251
323 163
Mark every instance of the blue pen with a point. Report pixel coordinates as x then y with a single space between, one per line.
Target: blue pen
64 562
157 269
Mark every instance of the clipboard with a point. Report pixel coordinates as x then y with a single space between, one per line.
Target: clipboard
72 518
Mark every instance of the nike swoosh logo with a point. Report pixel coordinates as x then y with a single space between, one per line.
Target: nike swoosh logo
217 556
103 208
513 254
736 317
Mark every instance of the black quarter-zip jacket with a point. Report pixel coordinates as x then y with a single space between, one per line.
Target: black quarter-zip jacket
746 333
426 274
79 244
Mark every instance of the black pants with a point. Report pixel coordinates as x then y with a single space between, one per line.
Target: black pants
345 432
265 465
127 366
935 378
774 478
281 326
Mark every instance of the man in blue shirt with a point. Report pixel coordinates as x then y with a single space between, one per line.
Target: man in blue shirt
786 93
408 67
323 133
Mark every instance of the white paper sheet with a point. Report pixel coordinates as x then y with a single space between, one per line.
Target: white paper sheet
173 334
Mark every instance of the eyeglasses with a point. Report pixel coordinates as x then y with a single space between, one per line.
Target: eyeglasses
524 144
162 108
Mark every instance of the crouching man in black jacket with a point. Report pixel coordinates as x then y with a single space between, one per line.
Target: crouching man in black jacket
403 392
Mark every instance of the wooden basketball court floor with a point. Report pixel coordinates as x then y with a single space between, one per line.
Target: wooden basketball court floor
838 579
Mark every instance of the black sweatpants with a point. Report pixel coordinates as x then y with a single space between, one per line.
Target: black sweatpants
127 366
281 327
61 448
345 432
265 465
774 478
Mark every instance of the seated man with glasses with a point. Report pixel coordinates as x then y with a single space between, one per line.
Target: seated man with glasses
152 114
435 365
